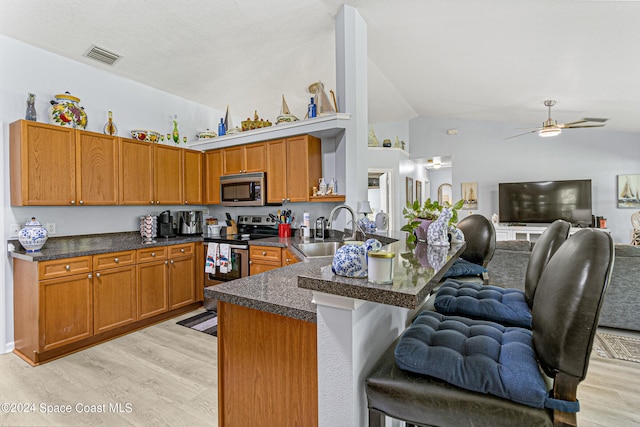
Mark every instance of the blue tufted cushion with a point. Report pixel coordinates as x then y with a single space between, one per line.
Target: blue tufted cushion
475 355
502 305
462 267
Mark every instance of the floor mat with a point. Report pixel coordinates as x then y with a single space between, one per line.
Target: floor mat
206 322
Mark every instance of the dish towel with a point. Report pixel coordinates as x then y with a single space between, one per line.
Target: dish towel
224 258
212 256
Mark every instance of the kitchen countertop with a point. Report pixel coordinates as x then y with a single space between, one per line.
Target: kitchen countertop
288 290
92 244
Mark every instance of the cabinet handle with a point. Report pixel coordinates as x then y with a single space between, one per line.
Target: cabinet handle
157 202
182 250
186 202
116 260
171 261
73 202
151 202
82 202
153 254
89 276
67 267
97 274
166 263
250 262
264 253
287 261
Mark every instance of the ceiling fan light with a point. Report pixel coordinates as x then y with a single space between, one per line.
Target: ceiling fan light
545 133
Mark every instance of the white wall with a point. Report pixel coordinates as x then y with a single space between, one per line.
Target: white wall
25 69
480 154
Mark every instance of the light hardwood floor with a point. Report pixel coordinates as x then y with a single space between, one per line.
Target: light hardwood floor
168 374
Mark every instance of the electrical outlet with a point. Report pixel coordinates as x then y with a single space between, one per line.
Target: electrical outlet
14 230
51 228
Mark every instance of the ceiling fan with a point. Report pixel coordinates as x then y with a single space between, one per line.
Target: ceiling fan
551 127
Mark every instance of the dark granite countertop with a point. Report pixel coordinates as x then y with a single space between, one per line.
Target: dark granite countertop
288 290
92 244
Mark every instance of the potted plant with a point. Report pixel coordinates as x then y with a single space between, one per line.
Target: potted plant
419 217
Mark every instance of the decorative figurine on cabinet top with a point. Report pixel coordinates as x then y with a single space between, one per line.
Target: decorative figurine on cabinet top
31 108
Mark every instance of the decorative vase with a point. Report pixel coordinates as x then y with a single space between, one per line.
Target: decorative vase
33 236
350 259
31 108
421 231
66 111
176 134
110 127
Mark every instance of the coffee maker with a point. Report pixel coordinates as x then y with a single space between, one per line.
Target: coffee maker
165 225
189 222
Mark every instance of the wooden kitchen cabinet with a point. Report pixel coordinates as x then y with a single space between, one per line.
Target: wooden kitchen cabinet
288 257
213 165
114 290
167 175
182 283
264 258
294 166
114 298
63 305
57 166
192 168
150 173
136 172
96 169
243 159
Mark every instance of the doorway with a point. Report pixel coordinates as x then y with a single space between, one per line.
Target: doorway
381 193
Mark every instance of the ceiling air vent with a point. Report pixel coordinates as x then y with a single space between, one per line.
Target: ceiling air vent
103 55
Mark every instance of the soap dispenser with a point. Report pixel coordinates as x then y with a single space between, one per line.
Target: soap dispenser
320 228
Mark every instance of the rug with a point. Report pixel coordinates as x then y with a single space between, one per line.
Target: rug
206 322
617 347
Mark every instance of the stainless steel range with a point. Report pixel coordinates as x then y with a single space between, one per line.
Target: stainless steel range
250 227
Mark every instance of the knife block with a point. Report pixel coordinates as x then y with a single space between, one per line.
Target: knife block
232 228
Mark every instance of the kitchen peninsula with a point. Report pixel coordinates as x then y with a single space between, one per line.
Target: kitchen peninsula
295 343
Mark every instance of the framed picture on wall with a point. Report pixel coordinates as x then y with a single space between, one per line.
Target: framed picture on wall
409 190
470 195
629 191
419 191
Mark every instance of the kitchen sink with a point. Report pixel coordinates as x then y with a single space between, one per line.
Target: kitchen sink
319 249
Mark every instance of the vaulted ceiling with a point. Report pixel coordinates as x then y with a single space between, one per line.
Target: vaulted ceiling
494 60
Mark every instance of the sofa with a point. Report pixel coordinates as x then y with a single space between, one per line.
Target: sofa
621 308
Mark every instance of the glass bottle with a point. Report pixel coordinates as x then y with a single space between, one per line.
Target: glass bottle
31 108
311 113
176 134
221 129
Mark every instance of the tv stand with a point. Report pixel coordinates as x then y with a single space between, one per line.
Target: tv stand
527 232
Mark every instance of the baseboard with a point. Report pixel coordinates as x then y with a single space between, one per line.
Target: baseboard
8 347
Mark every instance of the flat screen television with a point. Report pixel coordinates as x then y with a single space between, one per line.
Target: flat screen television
545 202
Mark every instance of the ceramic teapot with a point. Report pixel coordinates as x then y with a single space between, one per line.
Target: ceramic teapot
33 236
66 111
350 259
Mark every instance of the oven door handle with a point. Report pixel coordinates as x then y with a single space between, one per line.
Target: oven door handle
231 246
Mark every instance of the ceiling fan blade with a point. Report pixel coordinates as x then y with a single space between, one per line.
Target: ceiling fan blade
577 122
520 134
595 119
584 126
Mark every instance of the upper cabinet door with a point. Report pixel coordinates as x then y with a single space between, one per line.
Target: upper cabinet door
213 170
97 169
193 177
233 160
43 164
254 158
168 175
276 171
136 172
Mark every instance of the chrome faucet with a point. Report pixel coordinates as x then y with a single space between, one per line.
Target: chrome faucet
332 218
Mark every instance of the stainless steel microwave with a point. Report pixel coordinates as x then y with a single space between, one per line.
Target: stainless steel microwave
246 189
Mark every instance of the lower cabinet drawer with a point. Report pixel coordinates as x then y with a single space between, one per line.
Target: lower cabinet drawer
114 259
64 267
265 253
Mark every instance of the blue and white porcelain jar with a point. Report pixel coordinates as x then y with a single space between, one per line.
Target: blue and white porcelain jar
350 259
33 236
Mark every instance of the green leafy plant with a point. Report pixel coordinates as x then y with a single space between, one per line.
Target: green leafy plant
429 210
